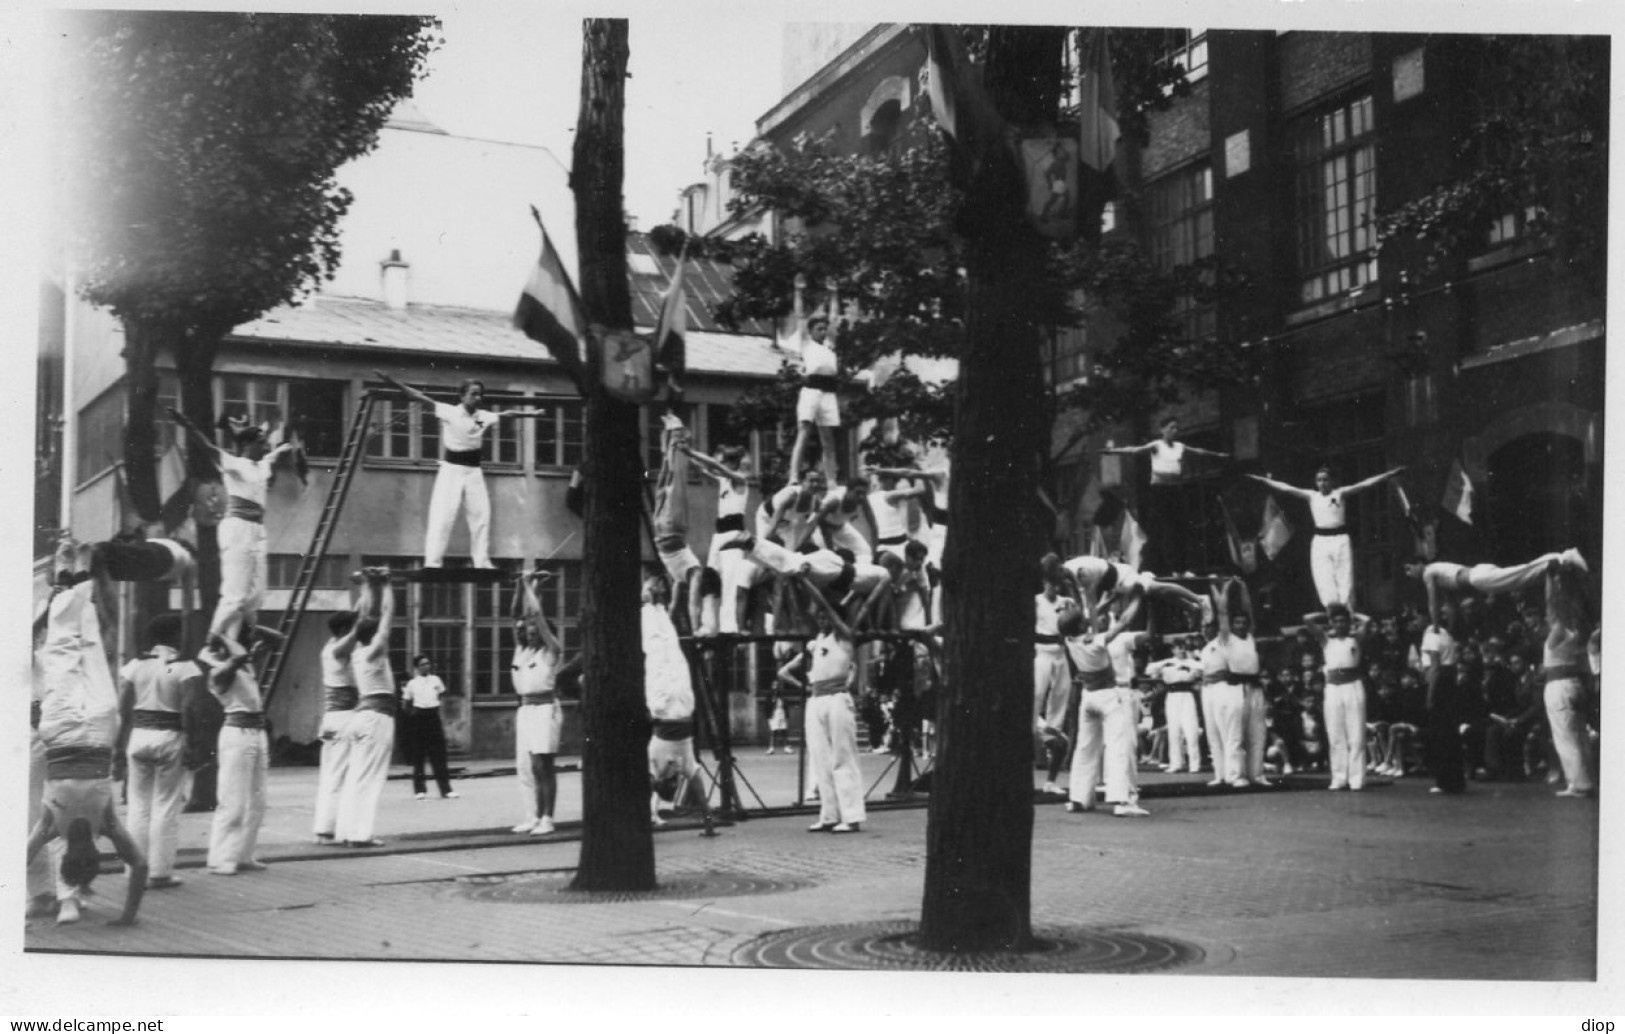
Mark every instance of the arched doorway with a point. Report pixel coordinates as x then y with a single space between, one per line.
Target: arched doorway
1537 498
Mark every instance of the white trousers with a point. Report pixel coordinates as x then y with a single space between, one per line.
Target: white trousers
242 575
79 702
1105 746
1052 683
831 731
847 537
40 880
156 777
457 487
1225 733
335 766
1565 711
1344 714
1254 730
1492 580
244 761
372 738
1184 731
1331 561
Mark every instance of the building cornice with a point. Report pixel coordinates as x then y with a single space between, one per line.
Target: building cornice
850 62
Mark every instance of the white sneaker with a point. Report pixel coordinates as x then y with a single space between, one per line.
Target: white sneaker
1130 810
421 796
525 827
1052 788
544 826
67 911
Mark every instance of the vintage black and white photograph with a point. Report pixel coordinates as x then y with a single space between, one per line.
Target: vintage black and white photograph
1062 496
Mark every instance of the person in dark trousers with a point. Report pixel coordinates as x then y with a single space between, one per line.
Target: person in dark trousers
425 735
1442 737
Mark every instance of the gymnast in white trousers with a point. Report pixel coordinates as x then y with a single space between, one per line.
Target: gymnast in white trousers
155 691
1331 557
244 757
372 727
339 699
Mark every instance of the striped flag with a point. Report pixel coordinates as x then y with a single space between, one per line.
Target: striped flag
672 327
1098 131
959 101
549 310
1276 532
1243 554
1458 493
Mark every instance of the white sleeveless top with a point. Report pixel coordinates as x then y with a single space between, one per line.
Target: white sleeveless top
1048 613
1241 656
371 668
730 501
1167 461
1341 652
336 673
1327 509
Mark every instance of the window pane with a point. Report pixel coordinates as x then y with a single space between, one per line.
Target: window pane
316 414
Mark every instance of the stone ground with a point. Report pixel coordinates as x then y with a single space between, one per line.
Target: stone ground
1497 885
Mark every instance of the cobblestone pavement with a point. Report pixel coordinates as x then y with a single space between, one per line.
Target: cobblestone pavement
1497 884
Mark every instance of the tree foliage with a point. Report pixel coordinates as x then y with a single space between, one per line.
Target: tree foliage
1536 149
886 230
200 150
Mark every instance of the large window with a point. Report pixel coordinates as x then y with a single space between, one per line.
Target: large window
1186 49
100 434
1181 209
311 409
1069 356
1336 160
560 433
332 572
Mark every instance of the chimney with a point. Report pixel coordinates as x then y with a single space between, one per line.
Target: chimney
395 274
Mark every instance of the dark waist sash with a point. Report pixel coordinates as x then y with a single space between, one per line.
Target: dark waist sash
821 381
1342 676
78 762
341 698
892 540
1102 678
462 457
731 522
843 581
1238 679
1214 678
245 509
168 720
828 687
1180 687
674 730
1332 531
1043 639
538 699
1559 672
245 719
383 703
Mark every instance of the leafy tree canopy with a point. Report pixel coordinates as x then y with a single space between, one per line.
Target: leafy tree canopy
881 230
1536 148
198 151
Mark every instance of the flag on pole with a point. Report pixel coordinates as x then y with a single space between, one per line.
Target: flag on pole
672 327
1458 493
1276 532
1242 554
1098 130
959 101
1133 540
549 310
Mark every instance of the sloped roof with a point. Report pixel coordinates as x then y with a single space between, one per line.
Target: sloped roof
706 282
361 323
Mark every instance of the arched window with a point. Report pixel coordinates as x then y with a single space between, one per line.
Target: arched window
882 112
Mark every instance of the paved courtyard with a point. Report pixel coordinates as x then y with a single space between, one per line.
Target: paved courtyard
1499 884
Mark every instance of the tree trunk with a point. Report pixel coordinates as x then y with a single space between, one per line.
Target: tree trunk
142 342
979 834
194 366
617 848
